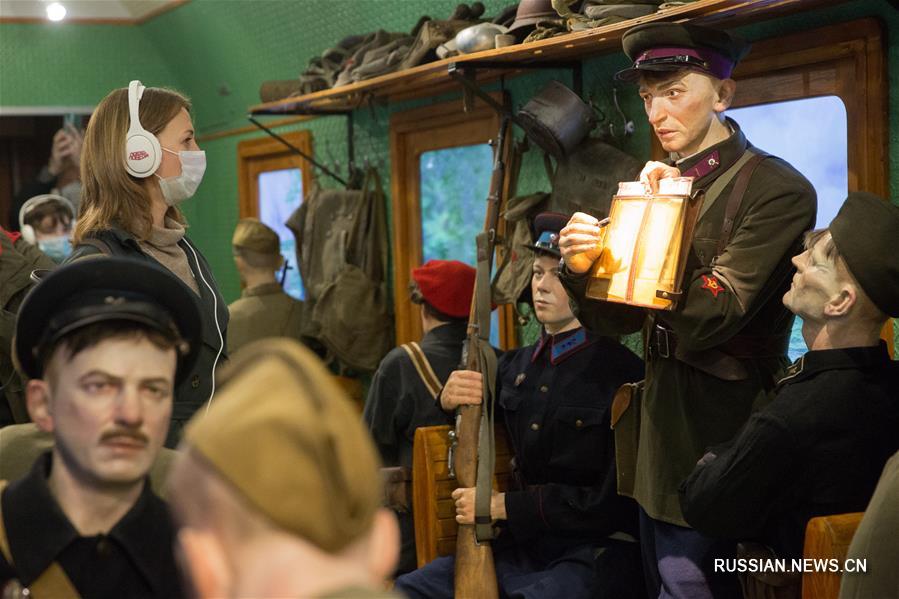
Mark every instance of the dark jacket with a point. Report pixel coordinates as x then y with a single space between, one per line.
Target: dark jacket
398 401
555 398
731 297
817 449
135 559
196 388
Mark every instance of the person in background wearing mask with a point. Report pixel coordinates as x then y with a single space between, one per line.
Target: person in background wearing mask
61 175
129 207
46 221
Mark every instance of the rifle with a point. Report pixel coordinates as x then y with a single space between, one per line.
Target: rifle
475 575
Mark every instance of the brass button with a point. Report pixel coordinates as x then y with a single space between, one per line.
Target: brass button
578 423
544 388
535 426
195 382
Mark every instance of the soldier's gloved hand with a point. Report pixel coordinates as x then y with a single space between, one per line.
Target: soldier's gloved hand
653 171
463 387
465 499
580 242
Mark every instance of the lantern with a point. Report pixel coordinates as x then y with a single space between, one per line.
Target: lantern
645 245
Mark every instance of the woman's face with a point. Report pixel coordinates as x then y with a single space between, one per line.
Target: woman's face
177 136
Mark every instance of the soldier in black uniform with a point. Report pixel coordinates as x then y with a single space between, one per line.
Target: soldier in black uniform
818 448
103 343
555 397
409 378
716 357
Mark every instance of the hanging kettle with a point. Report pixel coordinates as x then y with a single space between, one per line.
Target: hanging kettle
556 119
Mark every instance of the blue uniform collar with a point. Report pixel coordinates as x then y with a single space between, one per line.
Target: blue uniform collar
562 345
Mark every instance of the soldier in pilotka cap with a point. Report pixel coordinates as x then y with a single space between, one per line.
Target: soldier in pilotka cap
712 360
264 309
819 447
401 397
277 491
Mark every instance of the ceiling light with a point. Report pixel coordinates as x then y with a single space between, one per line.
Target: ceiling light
56 11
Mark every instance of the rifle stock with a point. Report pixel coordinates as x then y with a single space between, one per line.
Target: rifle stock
475 574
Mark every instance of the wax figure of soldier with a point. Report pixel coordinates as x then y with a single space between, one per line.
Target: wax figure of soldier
716 357
276 490
818 448
103 343
263 310
409 378
565 532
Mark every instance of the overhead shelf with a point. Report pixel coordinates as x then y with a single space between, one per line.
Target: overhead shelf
433 78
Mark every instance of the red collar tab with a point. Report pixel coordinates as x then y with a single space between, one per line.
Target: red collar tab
704 166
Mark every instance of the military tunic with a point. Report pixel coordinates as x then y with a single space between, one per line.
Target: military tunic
555 398
135 559
876 542
731 308
818 448
263 311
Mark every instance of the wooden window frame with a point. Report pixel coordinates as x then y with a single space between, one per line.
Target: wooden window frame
846 60
264 154
412 133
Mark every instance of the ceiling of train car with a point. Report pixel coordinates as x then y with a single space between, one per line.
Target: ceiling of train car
87 10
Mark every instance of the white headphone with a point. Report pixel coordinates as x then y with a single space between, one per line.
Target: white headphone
142 150
27 231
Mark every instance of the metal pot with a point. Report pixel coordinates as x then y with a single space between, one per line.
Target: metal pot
556 119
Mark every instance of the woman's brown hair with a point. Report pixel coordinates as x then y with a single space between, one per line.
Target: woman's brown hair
109 195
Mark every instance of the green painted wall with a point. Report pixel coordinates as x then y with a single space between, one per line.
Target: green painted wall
206 45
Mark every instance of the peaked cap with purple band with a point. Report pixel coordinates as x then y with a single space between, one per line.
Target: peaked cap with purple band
672 46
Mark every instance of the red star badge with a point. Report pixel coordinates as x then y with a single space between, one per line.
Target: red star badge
712 284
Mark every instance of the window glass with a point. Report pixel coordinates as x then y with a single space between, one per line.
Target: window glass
454 184
810 134
280 193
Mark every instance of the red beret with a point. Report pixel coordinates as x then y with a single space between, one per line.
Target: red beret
447 285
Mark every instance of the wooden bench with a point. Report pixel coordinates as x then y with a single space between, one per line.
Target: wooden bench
432 505
827 537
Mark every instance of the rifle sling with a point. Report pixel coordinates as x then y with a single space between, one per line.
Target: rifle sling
487 364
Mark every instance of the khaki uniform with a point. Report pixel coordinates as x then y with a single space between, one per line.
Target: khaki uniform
731 307
263 311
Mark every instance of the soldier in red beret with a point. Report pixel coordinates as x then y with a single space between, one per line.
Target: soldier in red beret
409 379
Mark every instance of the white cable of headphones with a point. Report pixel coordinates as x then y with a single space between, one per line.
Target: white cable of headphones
215 317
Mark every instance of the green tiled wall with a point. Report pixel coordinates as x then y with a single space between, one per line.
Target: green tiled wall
219 52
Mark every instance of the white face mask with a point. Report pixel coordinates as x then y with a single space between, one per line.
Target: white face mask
177 189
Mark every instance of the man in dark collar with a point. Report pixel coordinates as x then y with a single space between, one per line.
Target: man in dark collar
409 378
264 309
712 360
565 531
820 446
103 343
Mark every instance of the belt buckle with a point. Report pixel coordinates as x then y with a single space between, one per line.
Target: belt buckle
662 344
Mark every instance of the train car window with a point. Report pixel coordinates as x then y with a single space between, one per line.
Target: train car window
280 193
810 134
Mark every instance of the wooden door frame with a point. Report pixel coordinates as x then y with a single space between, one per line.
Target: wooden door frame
250 151
413 132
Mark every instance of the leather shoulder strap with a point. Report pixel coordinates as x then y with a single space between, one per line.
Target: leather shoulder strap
99 244
736 199
718 185
52 583
423 367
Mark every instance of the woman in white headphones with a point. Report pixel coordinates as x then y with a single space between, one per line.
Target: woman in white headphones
139 161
